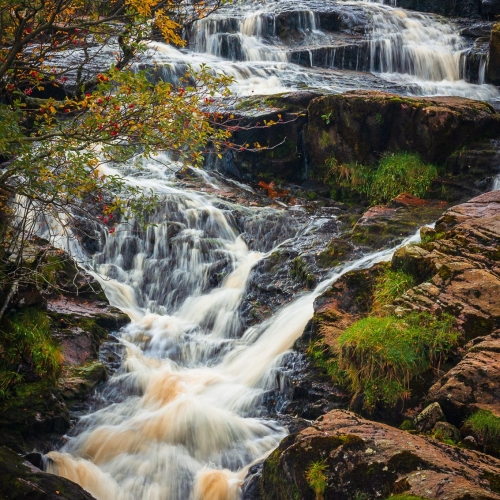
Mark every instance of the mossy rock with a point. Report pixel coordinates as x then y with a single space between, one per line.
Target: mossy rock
19 480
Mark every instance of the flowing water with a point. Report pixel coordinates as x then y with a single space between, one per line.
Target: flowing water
183 418
275 46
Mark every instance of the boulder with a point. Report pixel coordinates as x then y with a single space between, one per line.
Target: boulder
360 126
20 480
445 430
343 456
473 384
428 417
462 263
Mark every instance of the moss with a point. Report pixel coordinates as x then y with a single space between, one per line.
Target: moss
493 479
337 251
299 273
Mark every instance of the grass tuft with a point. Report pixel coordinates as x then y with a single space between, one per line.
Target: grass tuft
486 426
391 285
381 355
27 351
316 478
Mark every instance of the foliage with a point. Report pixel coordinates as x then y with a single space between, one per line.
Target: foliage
316 478
405 496
382 355
486 426
391 285
27 351
395 174
62 124
323 357
400 173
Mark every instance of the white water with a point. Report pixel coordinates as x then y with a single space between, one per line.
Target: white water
184 419
416 53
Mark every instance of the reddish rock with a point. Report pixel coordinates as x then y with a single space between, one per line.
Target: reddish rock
473 384
375 460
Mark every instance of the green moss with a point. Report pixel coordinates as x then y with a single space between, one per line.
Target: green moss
382 355
299 272
493 479
407 425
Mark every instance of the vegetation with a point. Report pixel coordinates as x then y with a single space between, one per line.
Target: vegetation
316 478
391 285
395 174
381 355
404 496
60 124
27 351
486 427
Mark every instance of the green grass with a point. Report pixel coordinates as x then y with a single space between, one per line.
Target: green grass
27 350
486 426
395 174
401 173
316 478
322 357
381 355
391 285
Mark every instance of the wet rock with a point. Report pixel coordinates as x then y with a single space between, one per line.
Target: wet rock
493 72
473 384
428 418
360 457
383 225
20 480
362 125
462 263
445 430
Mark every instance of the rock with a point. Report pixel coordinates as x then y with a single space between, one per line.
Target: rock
470 442
493 71
462 264
363 125
445 430
20 480
428 418
473 384
384 225
363 458
491 7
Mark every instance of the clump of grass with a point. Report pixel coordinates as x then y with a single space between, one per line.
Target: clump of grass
391 285
395 174
316 478
381 355
407 425
27 350
401 173
486 426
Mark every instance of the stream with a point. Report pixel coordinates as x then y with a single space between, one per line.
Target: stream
183 418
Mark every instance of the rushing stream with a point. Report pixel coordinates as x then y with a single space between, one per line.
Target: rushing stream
183 418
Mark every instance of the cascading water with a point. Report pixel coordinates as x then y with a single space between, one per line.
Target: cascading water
275 46
183 418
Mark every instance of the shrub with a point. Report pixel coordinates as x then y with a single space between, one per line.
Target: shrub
391 285
27 350
401 173
316 479
486 426
382 355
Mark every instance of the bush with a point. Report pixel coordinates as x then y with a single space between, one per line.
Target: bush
401 173
27 351
486 426
382 355
391 285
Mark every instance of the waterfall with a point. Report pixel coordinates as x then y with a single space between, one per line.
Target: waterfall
183 417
